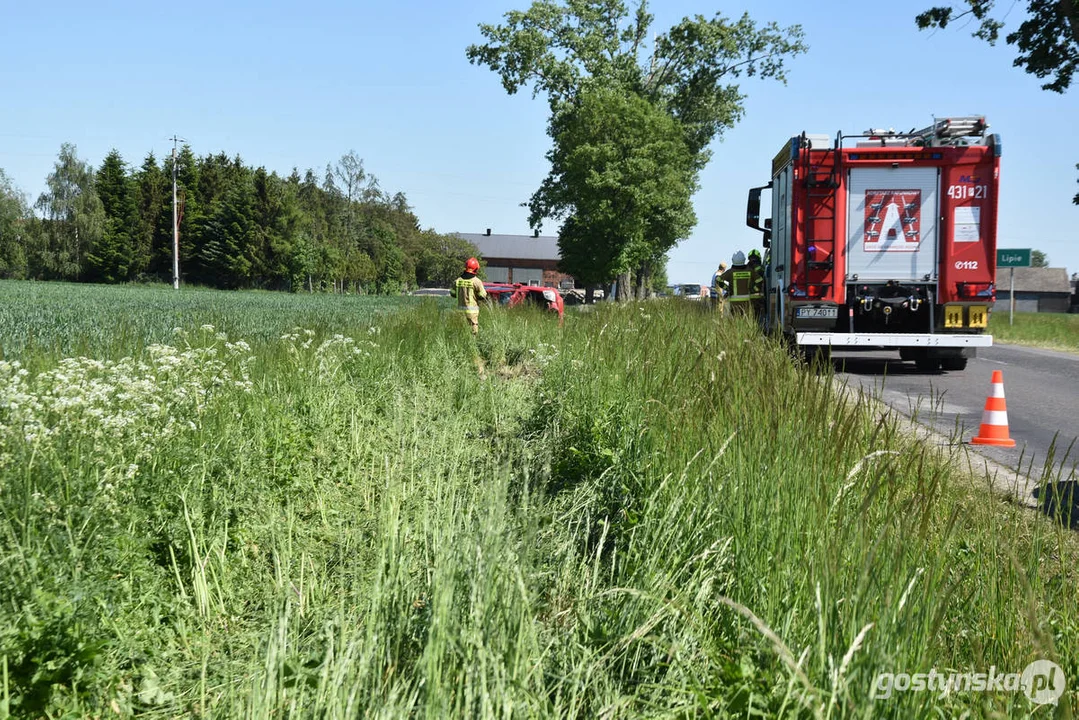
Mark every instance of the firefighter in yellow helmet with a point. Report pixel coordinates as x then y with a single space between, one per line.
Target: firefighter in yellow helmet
739 279
468 289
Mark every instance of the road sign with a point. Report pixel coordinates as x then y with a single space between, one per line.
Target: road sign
1013 258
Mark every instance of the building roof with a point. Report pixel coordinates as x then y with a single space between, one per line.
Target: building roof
518 247
1034 280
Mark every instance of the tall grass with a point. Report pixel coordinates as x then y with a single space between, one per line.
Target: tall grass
648 511
1056 331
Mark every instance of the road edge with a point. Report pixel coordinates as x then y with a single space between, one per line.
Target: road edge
1009 484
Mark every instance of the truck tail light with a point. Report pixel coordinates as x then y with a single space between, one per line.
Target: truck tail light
796 291
977 290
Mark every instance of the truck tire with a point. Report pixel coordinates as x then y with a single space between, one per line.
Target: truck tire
816 355
928 365
953 364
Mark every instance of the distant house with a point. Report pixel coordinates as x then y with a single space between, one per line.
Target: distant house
1036 289
531 259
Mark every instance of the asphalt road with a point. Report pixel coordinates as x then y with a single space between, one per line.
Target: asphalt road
1041 387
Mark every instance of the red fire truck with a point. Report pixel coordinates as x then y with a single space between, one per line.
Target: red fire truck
884 239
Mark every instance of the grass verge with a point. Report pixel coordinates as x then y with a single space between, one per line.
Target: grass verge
1055 331
648 511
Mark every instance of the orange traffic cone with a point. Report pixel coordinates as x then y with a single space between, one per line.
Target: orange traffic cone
994 430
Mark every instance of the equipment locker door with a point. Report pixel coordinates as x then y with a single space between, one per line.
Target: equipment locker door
892 224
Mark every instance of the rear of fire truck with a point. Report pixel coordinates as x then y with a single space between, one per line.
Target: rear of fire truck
884 240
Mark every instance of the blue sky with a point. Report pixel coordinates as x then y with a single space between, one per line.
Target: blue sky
287 85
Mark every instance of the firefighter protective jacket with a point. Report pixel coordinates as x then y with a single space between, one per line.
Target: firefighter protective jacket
739 279
469 291
757 285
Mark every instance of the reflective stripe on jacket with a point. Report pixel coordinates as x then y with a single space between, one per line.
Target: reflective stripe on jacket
469 291
757 286
740 281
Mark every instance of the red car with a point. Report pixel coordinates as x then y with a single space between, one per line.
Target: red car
511 295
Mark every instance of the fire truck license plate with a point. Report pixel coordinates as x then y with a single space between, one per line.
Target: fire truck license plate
817 312
977 316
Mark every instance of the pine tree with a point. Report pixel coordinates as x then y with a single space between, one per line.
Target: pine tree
111 257
227 254
191 218
152 235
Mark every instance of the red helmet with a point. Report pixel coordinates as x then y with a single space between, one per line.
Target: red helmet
472 265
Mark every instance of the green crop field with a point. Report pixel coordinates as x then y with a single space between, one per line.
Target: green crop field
337 507
1056 331
55 320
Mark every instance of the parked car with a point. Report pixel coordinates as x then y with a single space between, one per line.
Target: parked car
692 291
515 294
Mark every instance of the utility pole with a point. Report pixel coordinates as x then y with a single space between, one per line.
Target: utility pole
175 220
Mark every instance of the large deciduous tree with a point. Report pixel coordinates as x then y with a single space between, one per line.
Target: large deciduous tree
1047 39
592 58
438 258
623 169
73 216
13 216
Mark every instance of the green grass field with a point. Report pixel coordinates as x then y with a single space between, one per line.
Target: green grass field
55 320
1056 331
648 511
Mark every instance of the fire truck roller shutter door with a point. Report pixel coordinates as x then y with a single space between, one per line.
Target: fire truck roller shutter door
892 223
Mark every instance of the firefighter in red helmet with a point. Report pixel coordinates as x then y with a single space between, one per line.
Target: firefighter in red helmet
468 289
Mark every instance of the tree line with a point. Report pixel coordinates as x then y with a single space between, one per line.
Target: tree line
240 227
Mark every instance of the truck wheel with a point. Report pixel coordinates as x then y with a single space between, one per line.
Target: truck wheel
928 365
793 349
818 355
954 363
